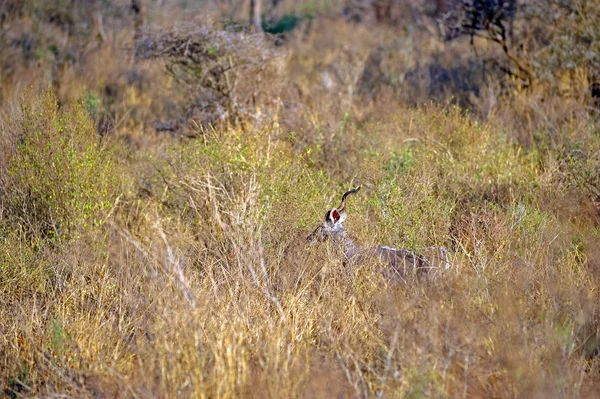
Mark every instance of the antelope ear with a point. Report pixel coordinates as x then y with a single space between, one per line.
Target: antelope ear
334 215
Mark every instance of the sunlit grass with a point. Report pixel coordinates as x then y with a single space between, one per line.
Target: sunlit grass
142 264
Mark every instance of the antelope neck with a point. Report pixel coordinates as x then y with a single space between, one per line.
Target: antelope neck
343 242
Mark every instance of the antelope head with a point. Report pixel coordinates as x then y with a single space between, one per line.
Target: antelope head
333 221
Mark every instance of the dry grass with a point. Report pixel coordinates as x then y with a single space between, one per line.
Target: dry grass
140 264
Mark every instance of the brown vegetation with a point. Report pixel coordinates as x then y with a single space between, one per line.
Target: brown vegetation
158 180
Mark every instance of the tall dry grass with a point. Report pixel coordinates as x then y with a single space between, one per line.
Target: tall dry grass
139 264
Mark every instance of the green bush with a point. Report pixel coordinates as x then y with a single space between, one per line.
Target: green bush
60 176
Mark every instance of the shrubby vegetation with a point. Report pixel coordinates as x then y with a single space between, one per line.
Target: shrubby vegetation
154 212
60 177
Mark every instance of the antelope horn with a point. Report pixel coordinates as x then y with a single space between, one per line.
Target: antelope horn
346 194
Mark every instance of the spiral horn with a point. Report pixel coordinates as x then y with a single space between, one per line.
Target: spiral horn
342 207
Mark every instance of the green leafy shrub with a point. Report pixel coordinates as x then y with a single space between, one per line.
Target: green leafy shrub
60 175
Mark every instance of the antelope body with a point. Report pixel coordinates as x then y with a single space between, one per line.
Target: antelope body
399 263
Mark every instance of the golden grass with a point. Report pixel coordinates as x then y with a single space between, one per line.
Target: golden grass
195 280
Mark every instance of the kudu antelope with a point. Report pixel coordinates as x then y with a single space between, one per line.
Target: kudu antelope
399 263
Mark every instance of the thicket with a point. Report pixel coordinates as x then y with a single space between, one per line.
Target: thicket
60 177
